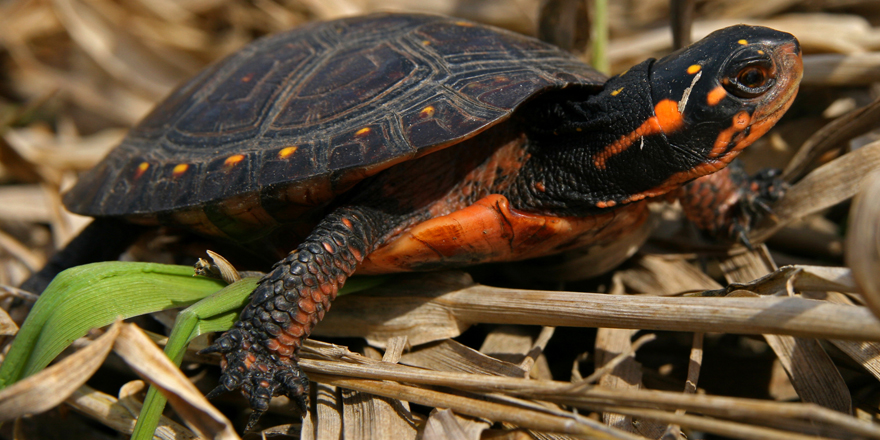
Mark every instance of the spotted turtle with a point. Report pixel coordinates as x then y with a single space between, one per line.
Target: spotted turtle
393 142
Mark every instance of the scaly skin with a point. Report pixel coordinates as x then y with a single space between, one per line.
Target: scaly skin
260 352
729 203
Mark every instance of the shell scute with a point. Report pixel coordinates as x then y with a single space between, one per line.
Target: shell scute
347 81
446 119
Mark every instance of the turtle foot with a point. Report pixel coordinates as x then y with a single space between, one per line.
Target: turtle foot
756 195
260 374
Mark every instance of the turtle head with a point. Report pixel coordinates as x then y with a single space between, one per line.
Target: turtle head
663 123
720 94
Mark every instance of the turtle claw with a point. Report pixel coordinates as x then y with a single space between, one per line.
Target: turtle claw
742 235
225 343
217 392
259 374
252 420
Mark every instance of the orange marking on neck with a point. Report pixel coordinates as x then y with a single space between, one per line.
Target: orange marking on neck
666 119
763 122
141 169
179 169
233 160
716 95
740 122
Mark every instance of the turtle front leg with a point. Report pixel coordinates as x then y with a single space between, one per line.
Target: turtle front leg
260 353
728 204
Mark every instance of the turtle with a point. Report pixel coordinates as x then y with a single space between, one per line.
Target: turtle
405 142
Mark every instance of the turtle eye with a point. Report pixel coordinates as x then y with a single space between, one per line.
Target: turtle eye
752 77
751 80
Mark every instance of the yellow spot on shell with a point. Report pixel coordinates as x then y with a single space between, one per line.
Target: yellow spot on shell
233 160
427 112
694 68
464 23
286 152
760 52
362 131
616 92
426 43
743 42
579 129
141 169
179 169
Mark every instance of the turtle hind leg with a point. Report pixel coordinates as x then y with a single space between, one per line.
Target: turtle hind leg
102 240
260 352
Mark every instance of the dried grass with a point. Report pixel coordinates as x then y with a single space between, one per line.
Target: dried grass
77 74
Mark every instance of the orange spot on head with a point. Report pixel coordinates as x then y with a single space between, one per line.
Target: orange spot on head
362 131
716 95
233 160
540 186
741 120
427 112
179 169
694 68
286 152
141 169
616 92
739 123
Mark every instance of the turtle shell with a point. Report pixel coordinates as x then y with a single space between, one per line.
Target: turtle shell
316 109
